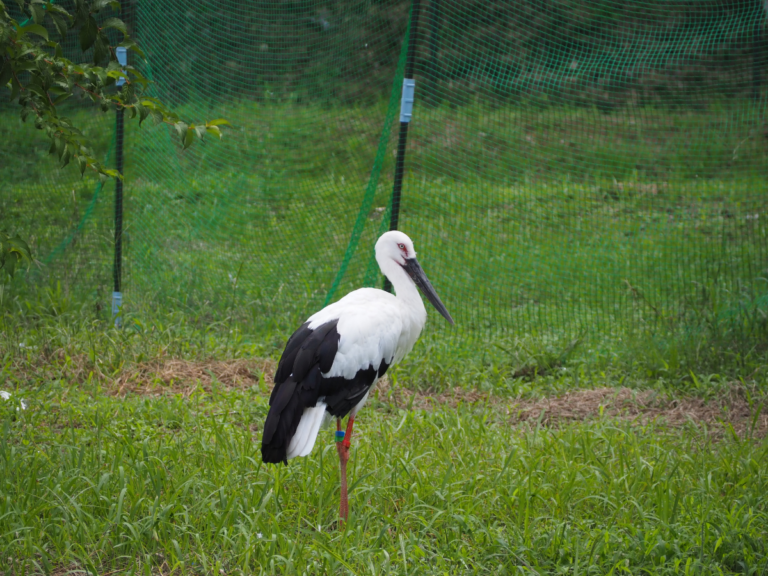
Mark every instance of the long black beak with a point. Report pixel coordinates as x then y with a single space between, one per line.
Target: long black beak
419 278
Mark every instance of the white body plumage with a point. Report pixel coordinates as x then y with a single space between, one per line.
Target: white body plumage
355 340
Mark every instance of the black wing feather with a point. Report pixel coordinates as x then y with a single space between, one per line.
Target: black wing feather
297 385
285 366
309 353
281 396
342 395
299 382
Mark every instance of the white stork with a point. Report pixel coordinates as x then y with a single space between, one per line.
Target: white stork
333 360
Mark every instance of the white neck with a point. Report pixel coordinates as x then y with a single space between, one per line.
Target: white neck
405 290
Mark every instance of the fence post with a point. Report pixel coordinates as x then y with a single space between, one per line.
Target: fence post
117 269
406 110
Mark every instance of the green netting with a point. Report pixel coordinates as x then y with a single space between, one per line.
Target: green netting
571 166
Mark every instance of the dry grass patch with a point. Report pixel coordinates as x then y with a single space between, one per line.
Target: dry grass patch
640 407
733 410
184 377
645 407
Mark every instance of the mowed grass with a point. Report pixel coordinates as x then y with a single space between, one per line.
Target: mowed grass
93 483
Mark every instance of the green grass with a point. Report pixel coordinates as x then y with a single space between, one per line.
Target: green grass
161 484
173 484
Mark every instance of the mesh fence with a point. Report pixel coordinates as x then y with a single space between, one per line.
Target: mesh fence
570 166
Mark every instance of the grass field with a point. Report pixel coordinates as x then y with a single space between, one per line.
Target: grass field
597 410
154 468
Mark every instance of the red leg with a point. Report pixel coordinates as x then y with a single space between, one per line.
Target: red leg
343 449
348 433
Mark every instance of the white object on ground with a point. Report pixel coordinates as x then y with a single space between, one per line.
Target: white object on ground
7 396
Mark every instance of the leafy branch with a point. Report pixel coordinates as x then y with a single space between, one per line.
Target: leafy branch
40 78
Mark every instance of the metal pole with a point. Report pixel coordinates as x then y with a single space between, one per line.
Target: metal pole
117 269
406 110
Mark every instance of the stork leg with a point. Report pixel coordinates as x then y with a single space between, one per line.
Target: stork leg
343 449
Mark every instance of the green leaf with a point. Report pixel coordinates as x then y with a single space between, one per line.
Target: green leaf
61 98
35 89
100 52
214 130
115 23
157 116
115 74
181 129
61 25
36 29
65 157
137 76
13 252
218 122
25 65
150 101
82 164
55 8
131 45
143 113
37 12
101 4
200 131
20 247
189 137
100 73
81 13
88 33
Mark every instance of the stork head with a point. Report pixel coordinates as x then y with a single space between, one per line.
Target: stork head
396 246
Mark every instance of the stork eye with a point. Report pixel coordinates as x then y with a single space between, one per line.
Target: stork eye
402 247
